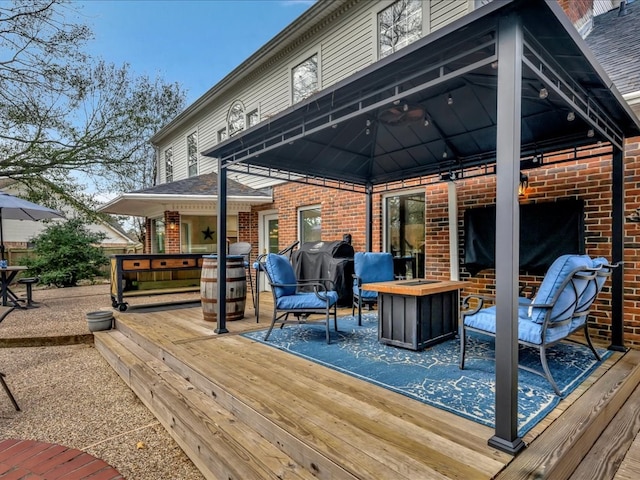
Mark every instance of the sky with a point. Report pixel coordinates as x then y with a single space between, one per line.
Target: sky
192 42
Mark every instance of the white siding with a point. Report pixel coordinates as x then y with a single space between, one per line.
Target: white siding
346 43
443 12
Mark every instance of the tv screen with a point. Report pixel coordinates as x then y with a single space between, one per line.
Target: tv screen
547 230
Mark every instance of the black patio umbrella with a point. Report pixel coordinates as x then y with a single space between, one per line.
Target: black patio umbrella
15 208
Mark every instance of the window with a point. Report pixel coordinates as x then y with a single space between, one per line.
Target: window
399 25
236 120
222 134
309 227
192 154
168 165
405 231
253 118
304 79
157 235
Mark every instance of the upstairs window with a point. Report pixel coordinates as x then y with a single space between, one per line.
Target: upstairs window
168 165
399 25
253 117
304 79
192 154
222 134
236 121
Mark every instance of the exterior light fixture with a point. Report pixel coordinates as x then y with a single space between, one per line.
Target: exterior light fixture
494 65
544 93
449 100
427 121
590 133
405 107
571 117
523 185
444 154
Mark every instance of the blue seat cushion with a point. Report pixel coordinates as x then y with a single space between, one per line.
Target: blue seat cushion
365 294
528 331
281 271
372 267
303 300
554 280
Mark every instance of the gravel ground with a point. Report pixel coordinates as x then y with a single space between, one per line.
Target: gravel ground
69 395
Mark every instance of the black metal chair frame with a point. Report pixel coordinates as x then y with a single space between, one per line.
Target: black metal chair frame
4 311
288 250
583 274
301 314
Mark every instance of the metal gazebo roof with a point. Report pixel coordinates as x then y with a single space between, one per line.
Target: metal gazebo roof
431 107
500 88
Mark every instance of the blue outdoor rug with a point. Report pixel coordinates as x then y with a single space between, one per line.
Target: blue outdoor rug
432 376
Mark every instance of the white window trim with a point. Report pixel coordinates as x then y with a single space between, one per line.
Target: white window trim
298 219
251 108
297 61
426 21
164 162
219 128
198 159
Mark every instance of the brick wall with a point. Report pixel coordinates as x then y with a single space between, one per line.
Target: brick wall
172 232
590 180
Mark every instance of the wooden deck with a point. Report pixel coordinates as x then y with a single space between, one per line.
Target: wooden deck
242 410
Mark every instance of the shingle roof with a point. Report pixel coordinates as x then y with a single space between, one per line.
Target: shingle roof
615 41
206 184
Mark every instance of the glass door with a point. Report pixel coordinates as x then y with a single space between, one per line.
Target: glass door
405 233
268 241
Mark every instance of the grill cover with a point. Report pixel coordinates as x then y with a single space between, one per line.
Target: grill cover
327 260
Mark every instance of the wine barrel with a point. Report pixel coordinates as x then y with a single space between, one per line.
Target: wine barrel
236 292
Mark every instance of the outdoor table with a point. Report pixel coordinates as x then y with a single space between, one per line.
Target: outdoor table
416 314
7 275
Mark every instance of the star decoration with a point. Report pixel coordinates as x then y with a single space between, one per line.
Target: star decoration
208 233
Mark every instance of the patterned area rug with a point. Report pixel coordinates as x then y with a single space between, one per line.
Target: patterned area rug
432 376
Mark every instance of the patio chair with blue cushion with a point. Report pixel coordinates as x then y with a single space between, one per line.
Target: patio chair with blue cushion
369 267
288 300
557 311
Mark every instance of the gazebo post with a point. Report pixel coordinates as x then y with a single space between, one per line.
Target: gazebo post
617 250
369 219
221 305
510 47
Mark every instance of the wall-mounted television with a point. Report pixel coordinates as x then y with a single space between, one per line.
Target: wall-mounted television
547 230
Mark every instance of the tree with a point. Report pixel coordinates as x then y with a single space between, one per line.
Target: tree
67 252
64 114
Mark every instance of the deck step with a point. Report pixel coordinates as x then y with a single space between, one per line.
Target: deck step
218 444
613 444
561 448
327 423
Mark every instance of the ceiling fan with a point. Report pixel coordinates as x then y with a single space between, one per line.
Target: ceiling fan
402 114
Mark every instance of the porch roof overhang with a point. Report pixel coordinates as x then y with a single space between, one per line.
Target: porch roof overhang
153 205
430 108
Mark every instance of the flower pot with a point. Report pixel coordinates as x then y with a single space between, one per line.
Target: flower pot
100 320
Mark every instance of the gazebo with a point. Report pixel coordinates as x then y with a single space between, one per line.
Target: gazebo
495 92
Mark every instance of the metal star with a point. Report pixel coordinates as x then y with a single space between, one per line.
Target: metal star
208 233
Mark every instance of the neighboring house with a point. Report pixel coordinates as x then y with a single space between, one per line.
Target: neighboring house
327 44
18 233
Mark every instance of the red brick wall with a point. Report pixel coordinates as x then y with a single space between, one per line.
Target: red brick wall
172 232
590 180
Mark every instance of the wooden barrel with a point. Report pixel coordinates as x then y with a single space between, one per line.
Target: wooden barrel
236 292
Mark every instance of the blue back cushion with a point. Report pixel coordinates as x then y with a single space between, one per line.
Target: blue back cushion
281 271
553 281
373 266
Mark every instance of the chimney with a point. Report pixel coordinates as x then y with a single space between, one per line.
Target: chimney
622 10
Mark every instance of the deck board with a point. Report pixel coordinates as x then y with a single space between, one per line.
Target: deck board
333 424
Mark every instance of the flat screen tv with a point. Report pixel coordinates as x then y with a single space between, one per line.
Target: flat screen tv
547 230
